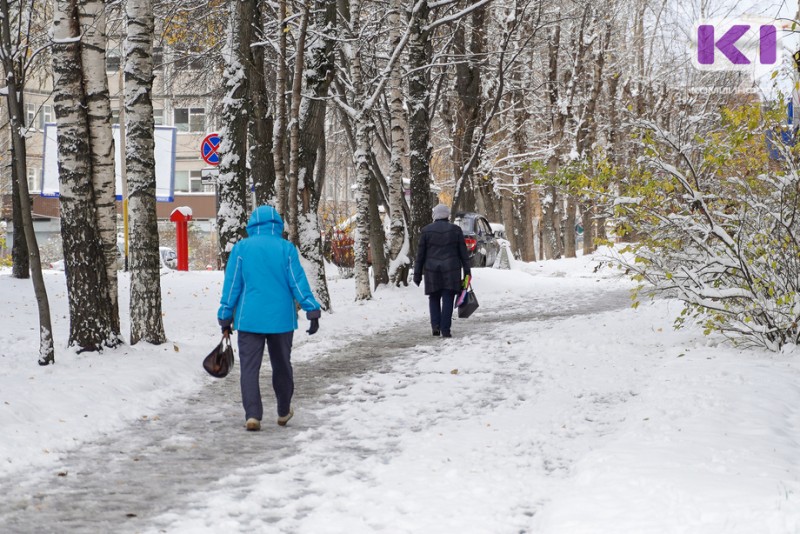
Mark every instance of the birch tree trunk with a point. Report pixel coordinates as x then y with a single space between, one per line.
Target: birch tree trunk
361 158
87 283
93 57
11 58
232 181
145 265
399 239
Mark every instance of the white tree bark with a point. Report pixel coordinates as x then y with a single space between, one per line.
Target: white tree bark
87 283
399 240
232 182
145 265
93 57
361 159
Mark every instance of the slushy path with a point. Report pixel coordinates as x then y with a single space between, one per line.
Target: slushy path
141 478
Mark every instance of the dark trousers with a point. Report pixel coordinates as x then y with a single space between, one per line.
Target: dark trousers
251 352
441 307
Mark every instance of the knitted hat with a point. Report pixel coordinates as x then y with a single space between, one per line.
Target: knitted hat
441 212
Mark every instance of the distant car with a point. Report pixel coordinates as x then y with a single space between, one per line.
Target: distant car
169 260
481 242
57 265
166 257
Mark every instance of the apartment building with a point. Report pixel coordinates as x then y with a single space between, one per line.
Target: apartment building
184 96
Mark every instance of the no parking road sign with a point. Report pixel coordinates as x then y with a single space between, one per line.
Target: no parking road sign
208 149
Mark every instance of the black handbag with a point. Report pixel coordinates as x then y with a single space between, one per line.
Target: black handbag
219 361
468 304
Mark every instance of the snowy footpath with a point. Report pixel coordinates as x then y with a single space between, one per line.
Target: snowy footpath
556 408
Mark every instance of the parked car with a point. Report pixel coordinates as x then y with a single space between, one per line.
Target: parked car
57 265
481 242
169 259
166 257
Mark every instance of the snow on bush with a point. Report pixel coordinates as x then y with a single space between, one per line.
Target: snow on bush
717 226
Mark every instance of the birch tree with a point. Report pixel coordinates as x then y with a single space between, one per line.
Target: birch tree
93 58
145 264
400 240
14 55
232 181
91 322
361 115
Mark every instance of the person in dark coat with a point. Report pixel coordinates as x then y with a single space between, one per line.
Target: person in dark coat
263 280
441 256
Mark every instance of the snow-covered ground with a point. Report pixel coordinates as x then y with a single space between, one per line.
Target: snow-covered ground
556 408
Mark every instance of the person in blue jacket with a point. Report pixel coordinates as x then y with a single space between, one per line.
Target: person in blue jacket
263 280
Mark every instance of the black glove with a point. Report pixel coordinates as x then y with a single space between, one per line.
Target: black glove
225 325
314 327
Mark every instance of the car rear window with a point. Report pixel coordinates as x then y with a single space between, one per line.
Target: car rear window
465 224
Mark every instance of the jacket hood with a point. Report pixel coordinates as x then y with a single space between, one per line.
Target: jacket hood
265 220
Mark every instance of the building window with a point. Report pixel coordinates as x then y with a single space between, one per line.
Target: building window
112 61
158 117
187 60
158 58
191 182
190 119
196 182
45 116
34 180
181 181
30 115
114 116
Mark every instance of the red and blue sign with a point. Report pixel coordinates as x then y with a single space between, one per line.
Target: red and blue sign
209 149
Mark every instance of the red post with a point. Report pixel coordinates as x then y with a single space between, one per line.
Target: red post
181 216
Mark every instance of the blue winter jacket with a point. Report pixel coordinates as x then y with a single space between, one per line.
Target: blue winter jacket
263 279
